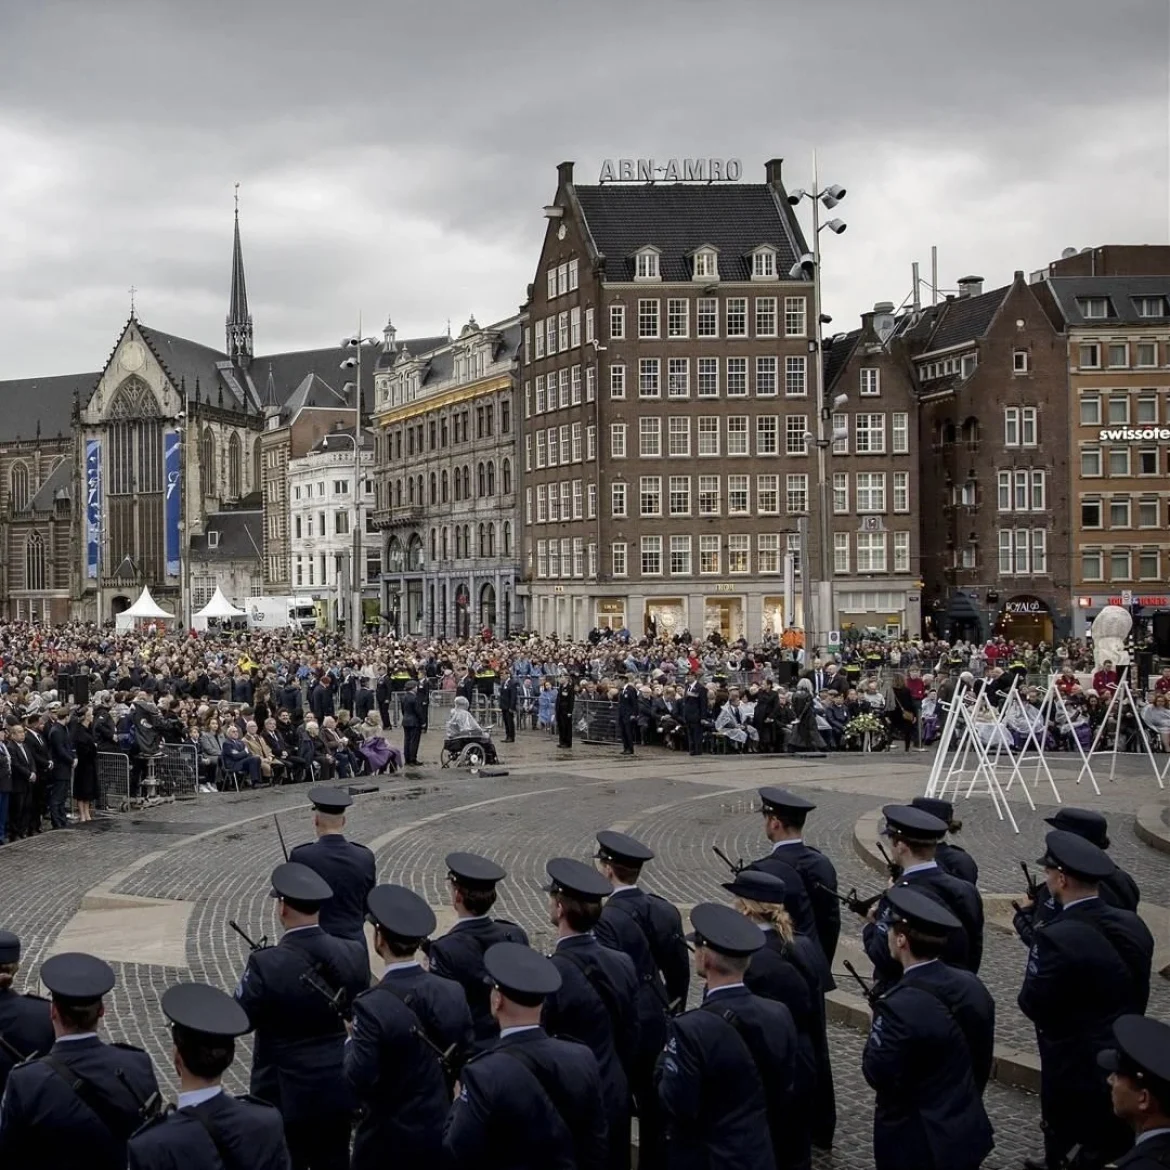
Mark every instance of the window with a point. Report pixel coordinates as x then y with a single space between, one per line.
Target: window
1021 492
617 381
1091 567
678 378
795 428
341 523
708 435
552 281
617 442
1119 461
737 434
541 400
871 491
1094 308
840 552
795 377
648 318
1148 565
678 436
1039 491
574 274
1011 426
618 558
901 552
575 386
554 559
706 266
765 377
765 316
870 434
1147 409
1090 356
591 442
651 556
768 494
617 499
680 495
1147 354
647 265
554 454
739 557
901 489
708 554
576 447
1090 410
841 492
1005 551
590 383
796 494
1147 514
527 343
900 432
709 503
1120 565
768 552
1119 408
680 556
871 385
650 495
841 445
678 317
590 325
649 379
871 552
794 317
649 437
563 396
617 322
1148 462
1090 513
562 279
1020 361
738 495
550 335
591 502
1118 355
707 317
737 385
764 264
1119 512
708 374
574 327
1090 462
1150 306
737 317
767 434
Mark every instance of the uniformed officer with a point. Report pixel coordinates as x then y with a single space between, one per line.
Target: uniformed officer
710 1088
951 857
25 1025
914 835
1139 1080
76 1107
459 953
597 1002
210 1129
296 994
796 899
928 1055
402 923
391 1064
786 969
1088 965
1117 889
530 1102
347 866
784 816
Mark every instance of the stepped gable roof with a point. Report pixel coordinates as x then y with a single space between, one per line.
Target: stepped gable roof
25 402
678 218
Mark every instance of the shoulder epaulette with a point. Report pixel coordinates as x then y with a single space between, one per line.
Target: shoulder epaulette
127 1047
247 1098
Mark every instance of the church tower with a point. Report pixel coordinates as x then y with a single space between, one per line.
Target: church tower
239 320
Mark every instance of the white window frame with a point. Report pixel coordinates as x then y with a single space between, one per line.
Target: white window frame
869 382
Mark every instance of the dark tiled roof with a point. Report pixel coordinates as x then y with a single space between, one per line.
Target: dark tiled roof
189 362
315 391
241 536
60 480
965 319
1121 290
25 402
838 357
677 218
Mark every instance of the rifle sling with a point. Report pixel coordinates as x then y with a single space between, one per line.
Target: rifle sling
117 1122
216 1138
652 979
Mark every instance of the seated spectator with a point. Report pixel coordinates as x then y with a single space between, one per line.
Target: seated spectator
1156 716
338 748
269 765
1105 680
210 754
1162 686
312 750
237 759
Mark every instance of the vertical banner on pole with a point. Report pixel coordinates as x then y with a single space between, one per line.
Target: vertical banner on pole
171 451
93 507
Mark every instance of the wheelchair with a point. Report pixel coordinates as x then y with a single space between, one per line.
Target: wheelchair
468 751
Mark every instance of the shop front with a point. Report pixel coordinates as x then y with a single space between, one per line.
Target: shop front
775 622
1025 618
1140 605
665 616
610 613
723 616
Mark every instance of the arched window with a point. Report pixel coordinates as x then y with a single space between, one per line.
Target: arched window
207 463
480 480
434 544
394 556
410 488
434 495
414 553
506 477
458 541
482 541
491 539
458 486
467 482
398 493
235 469
443 486
445 545
134 485
18 485
34 562
507 538
467 539
421 497
256 464
491 478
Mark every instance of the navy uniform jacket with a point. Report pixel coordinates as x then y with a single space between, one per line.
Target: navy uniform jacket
459 955
299 1044
1152 1154
964 947
248 1135
25 1024
957 862
1118 890
816 872
530 1102
796 900
351 873
713 1098
664 930
1087 966
918 1059
43 1122
597 1005
766 1027
398 1082
439 1004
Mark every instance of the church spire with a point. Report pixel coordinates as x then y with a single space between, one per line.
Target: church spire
239 320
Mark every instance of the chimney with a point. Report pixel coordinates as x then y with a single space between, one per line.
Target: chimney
970 286
772 171
1018 275
565 174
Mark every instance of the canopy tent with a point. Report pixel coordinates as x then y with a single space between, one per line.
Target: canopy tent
218 607
145 609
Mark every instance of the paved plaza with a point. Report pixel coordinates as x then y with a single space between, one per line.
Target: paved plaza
153 892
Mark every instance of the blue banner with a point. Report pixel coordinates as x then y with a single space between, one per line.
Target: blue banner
171 452
93 507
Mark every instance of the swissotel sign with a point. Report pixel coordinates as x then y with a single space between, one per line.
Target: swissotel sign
1134 435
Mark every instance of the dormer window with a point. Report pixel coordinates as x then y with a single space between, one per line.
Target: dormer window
212 539
764 264
646 264
1094 308
1150 306
706 265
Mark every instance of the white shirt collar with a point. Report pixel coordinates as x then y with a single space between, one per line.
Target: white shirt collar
1141 1137
401 965
77 1036
921 963
788 841
519 1028
1078 901
470 918
198 1096
620 889
920 867
726 987
294 929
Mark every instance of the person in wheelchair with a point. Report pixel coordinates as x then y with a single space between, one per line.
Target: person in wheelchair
463 728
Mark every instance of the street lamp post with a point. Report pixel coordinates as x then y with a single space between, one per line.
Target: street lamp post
357 343
810 265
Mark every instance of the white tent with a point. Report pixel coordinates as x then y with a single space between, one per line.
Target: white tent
217 607
145 609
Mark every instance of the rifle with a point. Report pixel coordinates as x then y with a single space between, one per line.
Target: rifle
148 1107
1033 885
283 846
853 900
866 988
252 945
894 869
445 1055
336 999
14 1053
736 867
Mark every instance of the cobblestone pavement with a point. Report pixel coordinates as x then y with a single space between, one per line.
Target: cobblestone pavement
215 854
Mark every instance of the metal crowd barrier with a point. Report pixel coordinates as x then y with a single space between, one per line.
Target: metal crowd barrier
113 770
595 720
177 770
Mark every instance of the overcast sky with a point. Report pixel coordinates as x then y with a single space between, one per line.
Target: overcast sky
394 157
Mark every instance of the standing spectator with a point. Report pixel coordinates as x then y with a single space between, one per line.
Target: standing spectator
411 723
546 705
565 700
64 758
5 783
85 783
695 711
903 715
508 696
